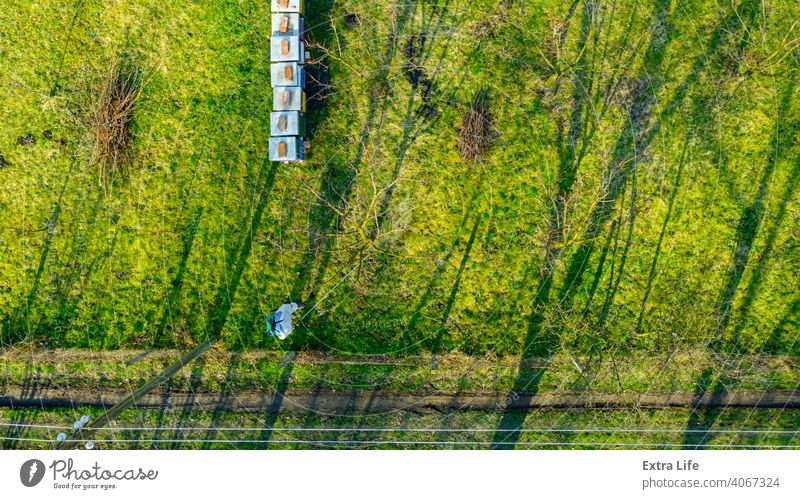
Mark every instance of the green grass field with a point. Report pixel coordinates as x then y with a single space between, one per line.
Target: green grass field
640 196
634 226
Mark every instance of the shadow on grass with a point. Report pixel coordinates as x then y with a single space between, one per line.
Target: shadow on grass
749 224
540 340
75 16
237 259
637 137
176 285
702 419
787 325
437 341
409 332
631 143
654 263
19 323
225 398
186 414
272 412
76 272
418 51
318 83
336 185
19 417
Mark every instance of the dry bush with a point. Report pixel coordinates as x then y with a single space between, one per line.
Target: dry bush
476 133
111 121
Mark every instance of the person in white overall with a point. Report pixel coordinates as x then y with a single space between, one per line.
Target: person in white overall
279 324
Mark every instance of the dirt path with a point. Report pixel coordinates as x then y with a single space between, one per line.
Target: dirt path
371 401
130 357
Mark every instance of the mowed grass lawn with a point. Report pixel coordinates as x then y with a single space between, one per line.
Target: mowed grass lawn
641 192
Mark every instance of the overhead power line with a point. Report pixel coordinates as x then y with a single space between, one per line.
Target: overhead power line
423 443
422 430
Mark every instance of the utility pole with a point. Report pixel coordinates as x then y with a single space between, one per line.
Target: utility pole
86 432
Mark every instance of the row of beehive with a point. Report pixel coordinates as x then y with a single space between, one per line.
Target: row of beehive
287 73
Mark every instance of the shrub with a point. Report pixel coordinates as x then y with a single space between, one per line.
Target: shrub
476 134
119 91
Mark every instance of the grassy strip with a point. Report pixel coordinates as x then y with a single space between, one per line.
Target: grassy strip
674 428
265 370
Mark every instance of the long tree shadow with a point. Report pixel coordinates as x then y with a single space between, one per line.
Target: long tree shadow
180 313
572 148
538 342
224 399
667 217
436 344
618 271
592 99
417 122
639 140
436 277
19 324
612 239
237 259
702 419
159 337
236 262
184 419
318 85
418 50
355 415
697 112
788 323
750 223
312 409
421 114
631 143
20 417
718 36
168 419
740 22
542 341
726 28
336 186
163 409
361 420
413 324
63 55
274 409
76 272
